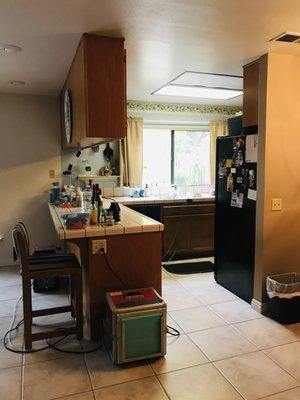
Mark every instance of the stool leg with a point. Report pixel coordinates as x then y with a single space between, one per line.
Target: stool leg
78 304
72 294
27 310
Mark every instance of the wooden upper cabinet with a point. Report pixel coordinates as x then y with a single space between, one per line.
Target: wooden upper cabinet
250 96
97 86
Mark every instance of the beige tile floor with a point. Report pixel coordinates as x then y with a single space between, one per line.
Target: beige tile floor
226 351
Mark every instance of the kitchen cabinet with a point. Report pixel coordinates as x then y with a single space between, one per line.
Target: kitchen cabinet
153 211
96 85
189 230
250 94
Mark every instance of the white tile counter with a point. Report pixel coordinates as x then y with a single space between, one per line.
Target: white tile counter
160 199
131 222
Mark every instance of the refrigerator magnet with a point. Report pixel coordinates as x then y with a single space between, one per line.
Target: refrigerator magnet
252 194
237 200
251 148
228 163
222 170
233 170
239 179
238 158
229 184
251 178
238 147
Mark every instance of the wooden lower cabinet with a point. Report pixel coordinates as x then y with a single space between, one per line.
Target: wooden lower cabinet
189 231
135 257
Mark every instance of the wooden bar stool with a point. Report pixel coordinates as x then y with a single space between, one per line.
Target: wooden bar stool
46 267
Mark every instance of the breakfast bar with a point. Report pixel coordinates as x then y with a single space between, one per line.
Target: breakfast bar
133 252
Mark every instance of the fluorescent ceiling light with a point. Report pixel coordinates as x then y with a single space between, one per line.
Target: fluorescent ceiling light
192 78
198 91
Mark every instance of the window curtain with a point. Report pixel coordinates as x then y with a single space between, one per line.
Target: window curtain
131 154
216 129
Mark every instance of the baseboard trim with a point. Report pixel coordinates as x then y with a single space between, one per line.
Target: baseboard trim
260 307
8 264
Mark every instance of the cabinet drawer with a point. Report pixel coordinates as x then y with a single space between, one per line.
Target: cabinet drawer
175 210
206 208
202 209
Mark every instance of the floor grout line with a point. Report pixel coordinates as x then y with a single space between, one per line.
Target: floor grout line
74 394
88 372
162 386
281 367
156 375
275 394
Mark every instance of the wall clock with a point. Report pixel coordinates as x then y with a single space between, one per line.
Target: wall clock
68 115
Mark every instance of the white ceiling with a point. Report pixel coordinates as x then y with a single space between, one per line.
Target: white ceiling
163 38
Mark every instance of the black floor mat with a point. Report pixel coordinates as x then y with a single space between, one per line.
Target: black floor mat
189 267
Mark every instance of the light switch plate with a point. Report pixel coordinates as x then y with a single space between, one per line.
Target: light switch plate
276 204
51 173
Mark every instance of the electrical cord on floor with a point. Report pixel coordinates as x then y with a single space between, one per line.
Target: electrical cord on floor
111 269
172 331
8 345
52 345
49 345
19 351
14 318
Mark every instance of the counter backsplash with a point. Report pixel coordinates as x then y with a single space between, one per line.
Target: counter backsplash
125 191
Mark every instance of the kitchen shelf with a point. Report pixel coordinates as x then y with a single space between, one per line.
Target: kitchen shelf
98 177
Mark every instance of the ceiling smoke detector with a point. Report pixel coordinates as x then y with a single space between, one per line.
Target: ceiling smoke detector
289 37
9 48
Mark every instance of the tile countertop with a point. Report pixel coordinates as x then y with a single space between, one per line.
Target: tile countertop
131 222
160 199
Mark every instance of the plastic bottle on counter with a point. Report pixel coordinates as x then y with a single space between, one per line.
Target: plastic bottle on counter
94 214
79 198
54 192
100 205
103 216
110 219
87 195
147 190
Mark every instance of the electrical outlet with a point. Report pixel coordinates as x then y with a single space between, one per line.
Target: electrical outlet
97 245
276 204
51 173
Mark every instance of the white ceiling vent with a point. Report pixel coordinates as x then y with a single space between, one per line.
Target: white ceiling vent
290 37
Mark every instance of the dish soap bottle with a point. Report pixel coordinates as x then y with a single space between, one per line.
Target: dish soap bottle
94 214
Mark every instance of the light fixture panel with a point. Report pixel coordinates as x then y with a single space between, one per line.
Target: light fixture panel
192 78
196 91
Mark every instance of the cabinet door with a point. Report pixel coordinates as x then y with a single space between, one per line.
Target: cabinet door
75 84
97 85
202 233
250 96
105 86
176 235
189 230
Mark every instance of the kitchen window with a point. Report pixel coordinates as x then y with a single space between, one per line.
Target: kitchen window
179 157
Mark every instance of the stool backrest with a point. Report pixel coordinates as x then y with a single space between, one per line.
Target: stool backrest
21 247
24 229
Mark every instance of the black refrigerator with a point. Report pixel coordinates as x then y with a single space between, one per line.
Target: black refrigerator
235 209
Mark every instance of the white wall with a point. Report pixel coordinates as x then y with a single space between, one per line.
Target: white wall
29 148
96 160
